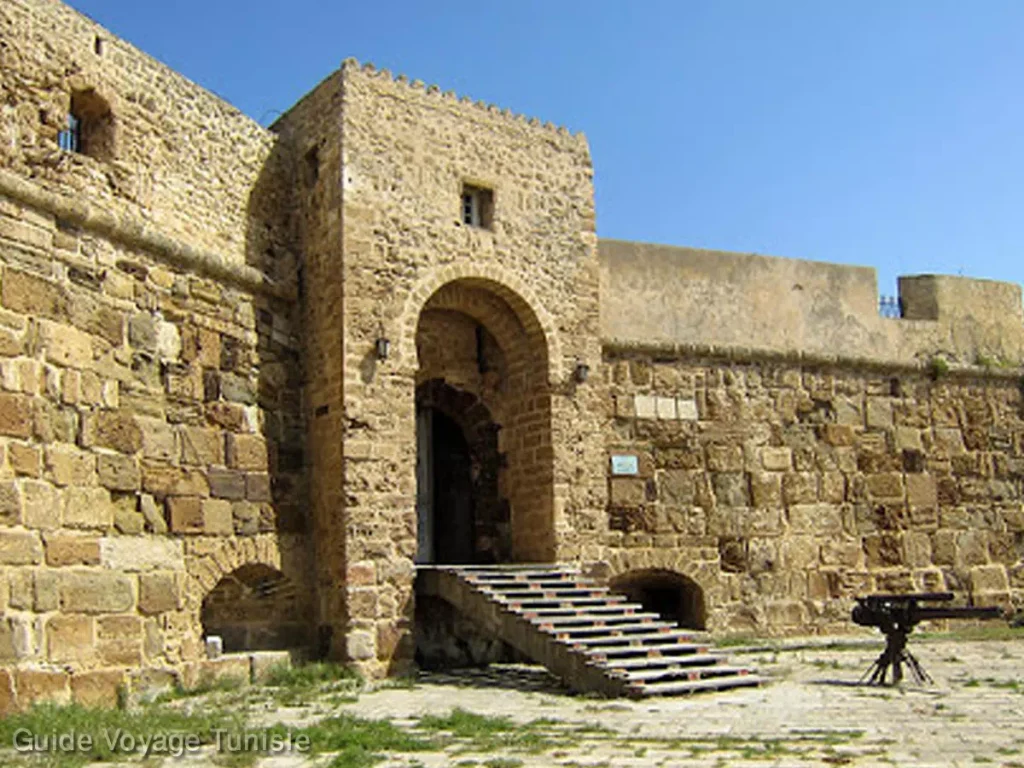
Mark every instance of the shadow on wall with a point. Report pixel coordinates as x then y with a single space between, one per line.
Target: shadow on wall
257 608
674 596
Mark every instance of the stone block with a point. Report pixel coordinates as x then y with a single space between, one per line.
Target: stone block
8 699
167 480
800 488
234 667
360 646
972 548
159 440
36 686
41 505
152 513
16 418
883 550
918 549
645 407
686 409
627 491
117 430
95 592
69 465
88 507
922 490
879 412
886 485
777 459
217 517
989 578
257 487
732 489
118 473
10 503
238 388
202 446
28 294
25 459
158 593
185 514
46 591
142 553
226 484
817 519
68 549
725 458
265 663
70 639
766 489
247 452
676 486
665 408
65 345
20 548
100 688
908 439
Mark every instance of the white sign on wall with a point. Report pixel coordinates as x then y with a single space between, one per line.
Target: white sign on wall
625 464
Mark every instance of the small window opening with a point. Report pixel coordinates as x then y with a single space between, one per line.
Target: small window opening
477 206
90 126
97 46
311 172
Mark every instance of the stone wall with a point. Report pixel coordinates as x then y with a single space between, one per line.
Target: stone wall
670 295
151 427
785 488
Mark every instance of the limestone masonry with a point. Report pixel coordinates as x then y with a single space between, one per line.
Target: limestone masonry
251 377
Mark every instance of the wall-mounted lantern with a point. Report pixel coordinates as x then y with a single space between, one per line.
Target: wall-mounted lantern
383 347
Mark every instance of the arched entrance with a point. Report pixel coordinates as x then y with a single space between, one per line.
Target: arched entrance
485 476
670 594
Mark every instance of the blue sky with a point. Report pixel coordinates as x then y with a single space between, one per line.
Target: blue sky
888 133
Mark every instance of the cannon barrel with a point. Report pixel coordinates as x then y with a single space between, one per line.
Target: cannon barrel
970 612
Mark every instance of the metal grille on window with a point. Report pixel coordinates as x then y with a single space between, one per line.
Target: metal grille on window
471 209
70 139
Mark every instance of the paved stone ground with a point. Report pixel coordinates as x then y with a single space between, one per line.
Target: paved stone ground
812 712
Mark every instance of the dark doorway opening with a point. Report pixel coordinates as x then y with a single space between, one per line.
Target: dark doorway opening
461 516
453 492
672 595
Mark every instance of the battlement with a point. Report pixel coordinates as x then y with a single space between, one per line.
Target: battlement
353 66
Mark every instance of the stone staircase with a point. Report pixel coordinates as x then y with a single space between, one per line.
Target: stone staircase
591 638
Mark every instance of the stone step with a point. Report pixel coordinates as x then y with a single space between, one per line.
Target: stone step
651 662
594 619
638 640
666 674
619 630
677 687
532 578
648 651
515 595
617 601
600 608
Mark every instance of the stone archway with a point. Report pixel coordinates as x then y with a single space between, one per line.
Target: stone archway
672 595
487 347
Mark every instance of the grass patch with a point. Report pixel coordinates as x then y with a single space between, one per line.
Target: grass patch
114 734
360 742
980 633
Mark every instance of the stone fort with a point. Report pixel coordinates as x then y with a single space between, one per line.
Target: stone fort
251 379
